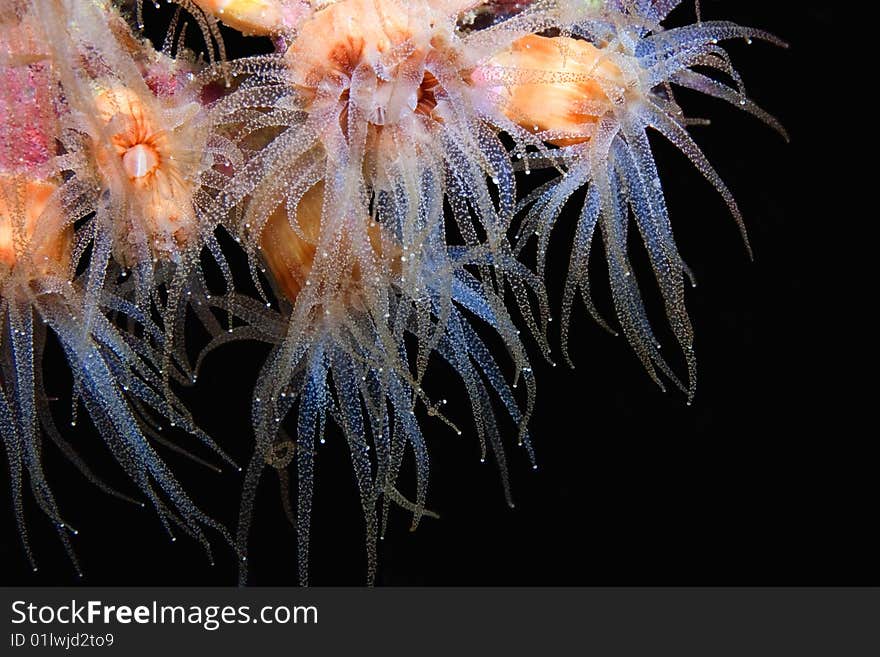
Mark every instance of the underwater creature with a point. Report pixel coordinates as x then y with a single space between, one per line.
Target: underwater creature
111 377
594 95
255 17
136 138
357 134
371 168
50 215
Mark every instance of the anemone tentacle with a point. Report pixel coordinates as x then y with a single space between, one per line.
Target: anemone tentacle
58 228
613 77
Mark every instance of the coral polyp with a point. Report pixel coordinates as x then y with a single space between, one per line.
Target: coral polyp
46 200
605 100
371 168
136 141
254 17
110 376
142 156
560 86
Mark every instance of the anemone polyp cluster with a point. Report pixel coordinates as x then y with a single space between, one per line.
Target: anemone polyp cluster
368 168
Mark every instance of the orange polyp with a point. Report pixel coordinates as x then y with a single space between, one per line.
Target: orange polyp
256 17
338 37
290 258
30 221
143 151
287 255
379 35
565 105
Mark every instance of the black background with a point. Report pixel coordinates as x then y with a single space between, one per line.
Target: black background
750 485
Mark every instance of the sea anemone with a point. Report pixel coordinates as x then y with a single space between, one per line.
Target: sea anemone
354 137
369 168
45 231
134 139
350 297
145 164
594 94
36 294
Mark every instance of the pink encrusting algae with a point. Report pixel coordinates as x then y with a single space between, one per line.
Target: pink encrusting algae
369 168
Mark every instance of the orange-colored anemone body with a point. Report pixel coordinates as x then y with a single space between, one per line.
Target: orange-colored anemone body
289 257
382 41
135 139
256 17
146 155
576 92
32 227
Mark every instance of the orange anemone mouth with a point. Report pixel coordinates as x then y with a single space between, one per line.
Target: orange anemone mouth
140 160
371 51
143 154
136 141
